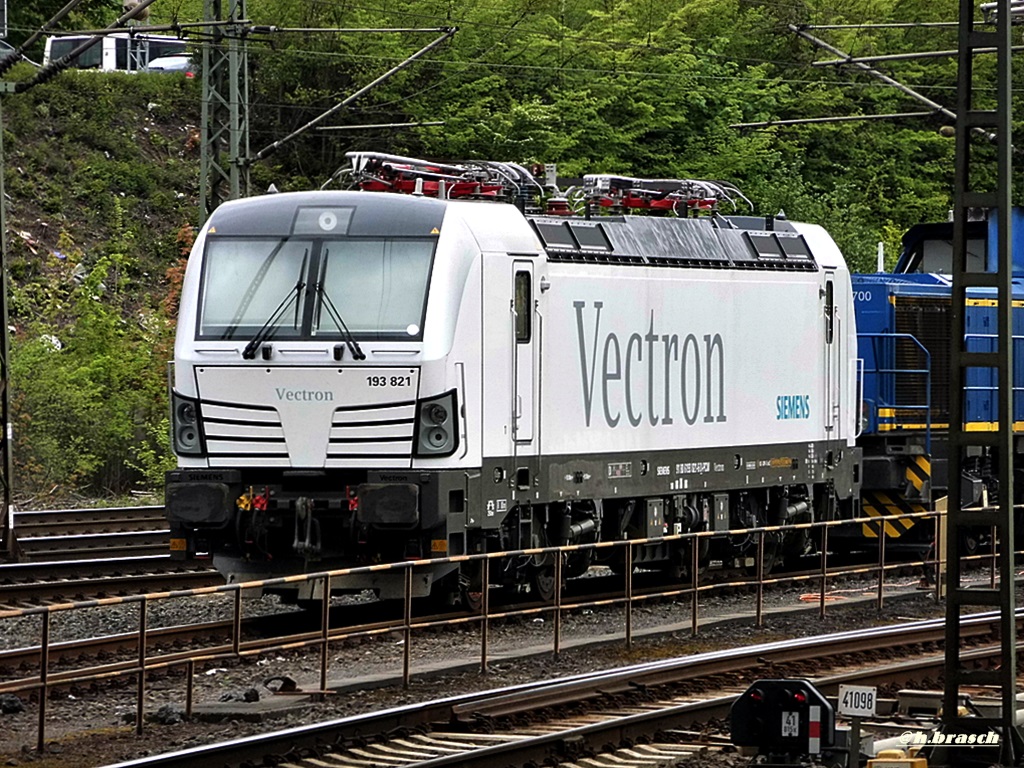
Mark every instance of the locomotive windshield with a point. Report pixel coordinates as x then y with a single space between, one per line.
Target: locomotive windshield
377 285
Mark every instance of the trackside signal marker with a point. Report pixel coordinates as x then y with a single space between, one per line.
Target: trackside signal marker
814 731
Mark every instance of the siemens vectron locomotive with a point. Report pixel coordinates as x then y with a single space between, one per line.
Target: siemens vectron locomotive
481 365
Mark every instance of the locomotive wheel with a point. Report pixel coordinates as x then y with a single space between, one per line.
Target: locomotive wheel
795 547
578 563
541 570
542 583
680 562
970 543
772 555
472 601
471 588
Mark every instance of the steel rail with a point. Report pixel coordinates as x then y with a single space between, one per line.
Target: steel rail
98 585
127 642
25 658
94 545
86 517
674 670
42 582
66 534
313 739
320 642
603 736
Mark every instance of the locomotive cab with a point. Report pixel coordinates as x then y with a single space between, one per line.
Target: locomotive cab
312 396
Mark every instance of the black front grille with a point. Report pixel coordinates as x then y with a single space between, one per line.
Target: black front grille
927 320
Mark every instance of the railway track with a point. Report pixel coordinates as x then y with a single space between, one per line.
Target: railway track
85 554
47 583
67 534
648 714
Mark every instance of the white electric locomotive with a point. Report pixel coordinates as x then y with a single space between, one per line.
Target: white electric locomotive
363 377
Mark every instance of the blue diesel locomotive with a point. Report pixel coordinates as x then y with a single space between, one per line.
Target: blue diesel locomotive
903 330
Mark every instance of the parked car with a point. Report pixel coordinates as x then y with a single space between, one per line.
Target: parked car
6 48
173 64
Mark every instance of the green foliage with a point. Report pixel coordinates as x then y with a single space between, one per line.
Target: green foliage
83 388
101 176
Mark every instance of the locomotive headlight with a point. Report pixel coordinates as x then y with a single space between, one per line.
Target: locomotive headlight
436 428
185 428
186 412
437 413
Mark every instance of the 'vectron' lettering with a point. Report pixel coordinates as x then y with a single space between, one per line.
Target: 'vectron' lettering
692 375
304 395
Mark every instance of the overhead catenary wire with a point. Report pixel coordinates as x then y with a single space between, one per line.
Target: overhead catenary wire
887 79
377 125
837 119
264 29
545 35
176 26
522 67
631 73
887 25
902 57
273 147
534 33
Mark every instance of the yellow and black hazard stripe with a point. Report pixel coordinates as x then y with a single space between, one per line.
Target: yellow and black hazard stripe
878 504
919 472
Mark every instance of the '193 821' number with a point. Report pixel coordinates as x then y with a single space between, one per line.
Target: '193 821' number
389 381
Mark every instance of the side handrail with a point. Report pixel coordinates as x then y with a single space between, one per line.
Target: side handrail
926 372
859 384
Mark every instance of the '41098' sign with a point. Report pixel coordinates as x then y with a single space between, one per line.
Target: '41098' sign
857 700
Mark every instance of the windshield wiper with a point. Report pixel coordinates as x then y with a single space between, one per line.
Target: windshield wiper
270 328
254 286
350 340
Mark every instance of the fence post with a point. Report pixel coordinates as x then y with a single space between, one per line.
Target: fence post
558 602
485 606
824 570
236 630
995 546
190 671
140 704
407 629
325 630
44 663
881 563
760 579
629 595
694 580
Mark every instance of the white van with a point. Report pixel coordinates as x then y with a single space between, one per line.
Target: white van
116 52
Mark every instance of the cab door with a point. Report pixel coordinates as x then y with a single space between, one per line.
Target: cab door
524 341
833 357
